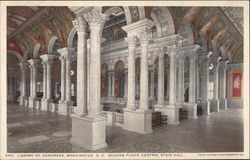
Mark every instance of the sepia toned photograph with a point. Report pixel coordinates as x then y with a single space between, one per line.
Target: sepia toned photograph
151 79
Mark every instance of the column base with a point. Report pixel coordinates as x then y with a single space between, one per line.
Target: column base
139 121
223 103
64 108
94 135
22 101
32 102
192 110
160 106
45 104
172 112
215 105
206 108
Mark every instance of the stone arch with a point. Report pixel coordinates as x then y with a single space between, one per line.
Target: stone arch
113 10
36 51
223 54
213 48
71 37
185 30
51 44
163 20
19 57
127 14
117 61
202 41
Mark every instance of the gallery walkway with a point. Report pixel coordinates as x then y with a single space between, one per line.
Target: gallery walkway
31 131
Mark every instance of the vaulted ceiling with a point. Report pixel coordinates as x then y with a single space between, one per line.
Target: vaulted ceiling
29 26
16 16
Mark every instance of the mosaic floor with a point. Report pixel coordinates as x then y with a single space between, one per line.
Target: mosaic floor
31 131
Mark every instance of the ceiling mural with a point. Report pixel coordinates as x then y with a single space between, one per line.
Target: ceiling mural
224 25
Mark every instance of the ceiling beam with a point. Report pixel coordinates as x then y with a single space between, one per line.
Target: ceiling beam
39 12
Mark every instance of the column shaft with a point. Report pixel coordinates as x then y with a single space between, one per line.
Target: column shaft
144 77
192 80
131 41
216 80
181 81
172 80
82 68
68 80
63 77
44 81
161 79
48 80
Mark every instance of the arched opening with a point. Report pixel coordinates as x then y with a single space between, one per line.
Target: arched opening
104 80
185 30
186 78
13 77
137 77
119 79
163 21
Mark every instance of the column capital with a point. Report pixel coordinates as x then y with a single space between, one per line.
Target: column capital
223 64
79 24
126 70
215 60
171 50
95 18
33 62
47 58
23 65
160 51
145 37
131 41
66 52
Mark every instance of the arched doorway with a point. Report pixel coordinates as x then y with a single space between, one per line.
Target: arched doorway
119 79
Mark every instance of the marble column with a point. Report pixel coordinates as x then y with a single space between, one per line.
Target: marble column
144 39
68 79
230 72
131 42
205 103
192 106
63 69
161 76
31 79
66 57
113 85
47 61
181 79
172 110
197 81
152 82
33 97
215 100
223 99
11 96
126 83
44 80
49 65
139 120
110 83
93 123
80 25
23 67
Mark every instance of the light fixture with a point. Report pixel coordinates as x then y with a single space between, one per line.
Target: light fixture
211 66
